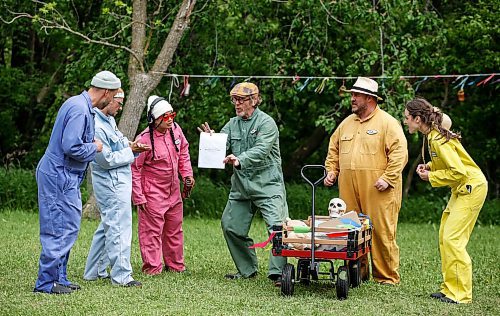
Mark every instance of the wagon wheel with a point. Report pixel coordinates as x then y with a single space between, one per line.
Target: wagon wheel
287 279
342 285
355 273
303 272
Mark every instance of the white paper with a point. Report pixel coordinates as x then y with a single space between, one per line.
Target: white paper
212 150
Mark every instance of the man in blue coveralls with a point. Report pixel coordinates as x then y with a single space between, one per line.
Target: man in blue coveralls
59 174
112 181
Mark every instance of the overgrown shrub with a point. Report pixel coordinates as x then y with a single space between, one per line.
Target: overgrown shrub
207 200
18 190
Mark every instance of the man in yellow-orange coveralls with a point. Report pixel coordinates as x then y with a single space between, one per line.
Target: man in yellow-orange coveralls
367 154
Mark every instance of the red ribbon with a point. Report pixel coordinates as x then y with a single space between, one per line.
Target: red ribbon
485 80
264 243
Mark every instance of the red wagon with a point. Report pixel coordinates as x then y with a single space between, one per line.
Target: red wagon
348 245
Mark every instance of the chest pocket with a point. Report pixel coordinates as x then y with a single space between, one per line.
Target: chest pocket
346 141
113 139
235 144
370 145
252 139
117 142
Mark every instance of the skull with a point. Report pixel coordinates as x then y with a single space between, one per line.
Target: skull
336 207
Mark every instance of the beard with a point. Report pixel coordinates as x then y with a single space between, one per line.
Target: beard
361 108
102 104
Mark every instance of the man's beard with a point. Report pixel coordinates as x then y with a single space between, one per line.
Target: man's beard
361 108
102 104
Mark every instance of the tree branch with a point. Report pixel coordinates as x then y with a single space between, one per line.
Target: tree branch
166 54
47 24
329 14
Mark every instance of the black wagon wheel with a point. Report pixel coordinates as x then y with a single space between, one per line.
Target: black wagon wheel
287 279
355 273
342 284
303 272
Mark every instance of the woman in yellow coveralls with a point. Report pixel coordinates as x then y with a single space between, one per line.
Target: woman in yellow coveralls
451 166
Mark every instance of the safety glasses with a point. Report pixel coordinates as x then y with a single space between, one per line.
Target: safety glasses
168 116
238 100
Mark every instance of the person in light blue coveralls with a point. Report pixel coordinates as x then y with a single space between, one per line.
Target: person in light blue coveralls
59 175
112 182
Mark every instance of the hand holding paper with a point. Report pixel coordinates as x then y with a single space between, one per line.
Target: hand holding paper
212 150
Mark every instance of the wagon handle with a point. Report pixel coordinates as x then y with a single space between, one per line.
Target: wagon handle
313 167
313 225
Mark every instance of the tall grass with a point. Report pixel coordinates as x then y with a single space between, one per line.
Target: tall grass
204 291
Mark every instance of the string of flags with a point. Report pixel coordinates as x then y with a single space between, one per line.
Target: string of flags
459 82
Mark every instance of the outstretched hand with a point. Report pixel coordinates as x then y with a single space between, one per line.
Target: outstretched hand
205 128
138 147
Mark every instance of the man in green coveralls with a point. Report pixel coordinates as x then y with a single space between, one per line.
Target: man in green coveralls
253 141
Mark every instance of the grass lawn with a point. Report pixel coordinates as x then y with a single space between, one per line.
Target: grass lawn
203 291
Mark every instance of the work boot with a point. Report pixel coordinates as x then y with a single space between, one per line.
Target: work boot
133 283
56 289
74 286
237 275
437 295
445 299
276 278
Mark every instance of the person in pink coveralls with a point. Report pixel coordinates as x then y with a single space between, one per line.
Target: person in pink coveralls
156 189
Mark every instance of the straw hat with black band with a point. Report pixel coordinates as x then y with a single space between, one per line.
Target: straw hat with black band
366 86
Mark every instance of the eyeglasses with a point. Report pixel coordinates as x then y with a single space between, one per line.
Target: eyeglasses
236 100
119 102
168 116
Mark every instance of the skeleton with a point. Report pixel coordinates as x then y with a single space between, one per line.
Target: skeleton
336 207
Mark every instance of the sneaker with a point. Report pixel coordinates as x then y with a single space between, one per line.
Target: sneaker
445 299
133 283
236 276
74 286
437 295
56 289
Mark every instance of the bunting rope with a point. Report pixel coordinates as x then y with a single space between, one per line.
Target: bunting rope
296 78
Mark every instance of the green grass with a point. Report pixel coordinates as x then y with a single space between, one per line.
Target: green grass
205 292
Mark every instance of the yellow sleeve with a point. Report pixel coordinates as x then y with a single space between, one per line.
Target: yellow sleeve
453 171
332 158
397 154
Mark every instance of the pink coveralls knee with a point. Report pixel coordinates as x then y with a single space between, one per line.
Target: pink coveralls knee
156 184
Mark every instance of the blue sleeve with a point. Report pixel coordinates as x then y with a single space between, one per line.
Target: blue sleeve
77 137
109 159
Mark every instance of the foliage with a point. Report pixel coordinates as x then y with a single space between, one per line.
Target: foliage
208 260
19 189
209 198
266 38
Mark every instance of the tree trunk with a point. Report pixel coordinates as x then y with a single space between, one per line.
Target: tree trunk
141 82
409 177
